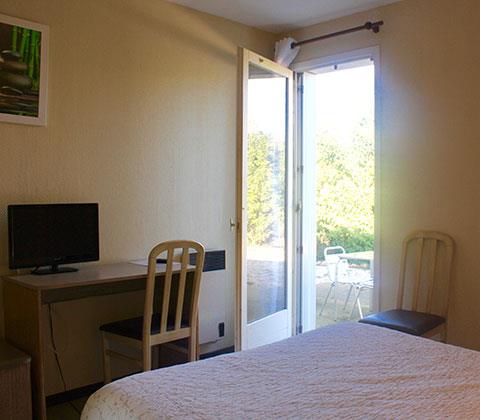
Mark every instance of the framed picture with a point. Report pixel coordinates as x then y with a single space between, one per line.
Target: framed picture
23 71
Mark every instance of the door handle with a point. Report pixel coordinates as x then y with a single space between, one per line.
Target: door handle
233 224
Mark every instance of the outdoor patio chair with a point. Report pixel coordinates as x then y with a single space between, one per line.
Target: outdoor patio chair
338 273
424 286
359 288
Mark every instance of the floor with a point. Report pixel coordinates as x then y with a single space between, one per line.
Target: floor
344 312
267 293
67 411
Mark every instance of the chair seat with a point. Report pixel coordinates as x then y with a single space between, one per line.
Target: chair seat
133 327
410 322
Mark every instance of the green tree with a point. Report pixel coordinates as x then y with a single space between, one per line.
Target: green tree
345 190
260 189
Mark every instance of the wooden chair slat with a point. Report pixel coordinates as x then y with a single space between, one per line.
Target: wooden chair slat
166 292
167 332
401 282
418 272
431 274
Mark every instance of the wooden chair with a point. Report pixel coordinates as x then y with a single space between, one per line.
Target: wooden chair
170 310
427 291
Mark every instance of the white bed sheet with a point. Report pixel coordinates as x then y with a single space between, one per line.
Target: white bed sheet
344 371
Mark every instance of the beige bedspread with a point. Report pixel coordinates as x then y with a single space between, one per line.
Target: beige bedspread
347 371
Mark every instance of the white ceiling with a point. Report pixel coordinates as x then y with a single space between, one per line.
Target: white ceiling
282 15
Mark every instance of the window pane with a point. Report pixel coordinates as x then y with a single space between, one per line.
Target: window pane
266 180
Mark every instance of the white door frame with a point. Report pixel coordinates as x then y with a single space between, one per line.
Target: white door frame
307 298
245 58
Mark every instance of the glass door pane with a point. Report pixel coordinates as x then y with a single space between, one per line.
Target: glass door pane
339 190
266 251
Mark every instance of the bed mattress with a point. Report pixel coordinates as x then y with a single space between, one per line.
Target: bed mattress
344 371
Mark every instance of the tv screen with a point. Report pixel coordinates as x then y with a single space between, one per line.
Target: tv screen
52 234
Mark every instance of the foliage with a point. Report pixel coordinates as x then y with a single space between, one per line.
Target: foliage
266 189
27 43
345 191
260 189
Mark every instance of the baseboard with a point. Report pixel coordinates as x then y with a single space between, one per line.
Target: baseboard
225 350
87 390
73 394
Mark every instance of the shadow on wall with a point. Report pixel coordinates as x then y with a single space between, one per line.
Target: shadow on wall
212 41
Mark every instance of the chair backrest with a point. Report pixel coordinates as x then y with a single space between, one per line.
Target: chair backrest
335 265
330 253
178 301
428 272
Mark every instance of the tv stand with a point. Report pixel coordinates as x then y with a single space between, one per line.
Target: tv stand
54 269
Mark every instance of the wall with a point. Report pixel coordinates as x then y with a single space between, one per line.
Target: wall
430 132
142 119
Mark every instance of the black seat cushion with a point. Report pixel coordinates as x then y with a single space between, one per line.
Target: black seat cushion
410 322
133 327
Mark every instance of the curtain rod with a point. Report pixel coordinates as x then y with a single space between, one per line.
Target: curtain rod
370 26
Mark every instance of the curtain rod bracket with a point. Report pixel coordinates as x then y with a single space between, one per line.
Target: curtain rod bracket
369 26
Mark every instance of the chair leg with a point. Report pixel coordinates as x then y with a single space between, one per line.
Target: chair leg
107 373
197 338
147 358
192 347
348 296
357 303
326 299
335 300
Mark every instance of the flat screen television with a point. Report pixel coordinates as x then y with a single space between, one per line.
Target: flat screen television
42 235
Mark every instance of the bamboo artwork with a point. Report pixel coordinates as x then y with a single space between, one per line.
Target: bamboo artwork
20 70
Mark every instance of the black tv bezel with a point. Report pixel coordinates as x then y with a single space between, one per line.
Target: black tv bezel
14 264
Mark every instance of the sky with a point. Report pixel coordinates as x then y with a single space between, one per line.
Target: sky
342 99
266 107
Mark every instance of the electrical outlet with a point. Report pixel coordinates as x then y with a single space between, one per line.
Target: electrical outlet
221 329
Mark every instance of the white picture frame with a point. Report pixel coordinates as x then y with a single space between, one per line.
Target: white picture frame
23 85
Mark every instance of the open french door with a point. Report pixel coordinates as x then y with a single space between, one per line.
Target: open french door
264 202
339 149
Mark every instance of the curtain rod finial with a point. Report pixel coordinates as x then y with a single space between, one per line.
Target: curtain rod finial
375 26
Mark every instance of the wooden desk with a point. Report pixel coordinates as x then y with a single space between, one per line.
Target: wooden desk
24 296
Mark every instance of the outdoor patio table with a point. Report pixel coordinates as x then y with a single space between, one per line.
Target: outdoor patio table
364 256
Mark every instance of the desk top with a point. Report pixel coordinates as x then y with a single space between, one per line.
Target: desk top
88 275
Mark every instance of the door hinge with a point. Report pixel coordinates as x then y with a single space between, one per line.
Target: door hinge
300 89
299 206
300 249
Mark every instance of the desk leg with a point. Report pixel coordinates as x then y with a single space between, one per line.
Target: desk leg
23 329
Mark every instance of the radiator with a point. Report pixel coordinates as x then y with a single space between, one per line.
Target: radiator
212 296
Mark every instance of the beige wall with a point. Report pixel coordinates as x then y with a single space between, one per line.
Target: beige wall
430 120
142 108
142 119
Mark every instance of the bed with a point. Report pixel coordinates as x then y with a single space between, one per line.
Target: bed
344 371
